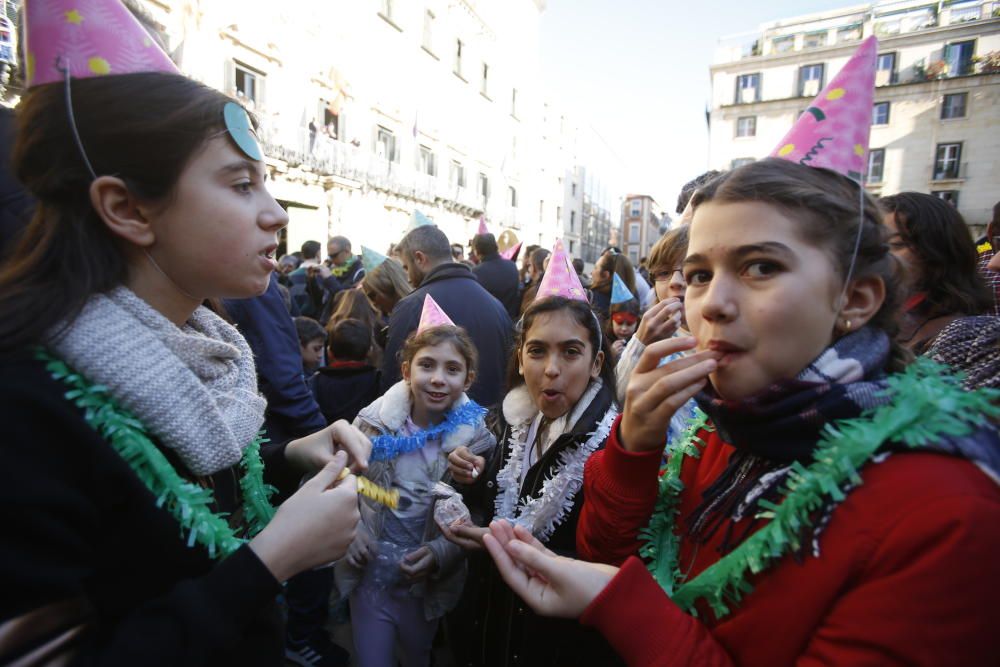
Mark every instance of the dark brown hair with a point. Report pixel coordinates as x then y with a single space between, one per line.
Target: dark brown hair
825 204
143 128
615 262
936 232
350 340
583 315
445 333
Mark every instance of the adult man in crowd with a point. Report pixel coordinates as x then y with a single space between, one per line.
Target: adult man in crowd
345 272
496 274
306 282
427 259
536 269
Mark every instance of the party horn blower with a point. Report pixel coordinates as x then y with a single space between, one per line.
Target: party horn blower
369 489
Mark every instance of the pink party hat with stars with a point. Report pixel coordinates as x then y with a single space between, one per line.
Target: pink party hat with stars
833 131
560 279
432 315
482 226
88 38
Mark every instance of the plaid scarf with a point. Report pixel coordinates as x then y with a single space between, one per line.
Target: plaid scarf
782 424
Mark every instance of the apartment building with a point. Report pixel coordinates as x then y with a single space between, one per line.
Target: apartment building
641 220
936 117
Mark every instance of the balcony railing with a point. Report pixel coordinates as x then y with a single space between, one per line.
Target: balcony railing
329 157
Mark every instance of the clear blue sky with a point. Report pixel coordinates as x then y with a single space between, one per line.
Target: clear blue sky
637 71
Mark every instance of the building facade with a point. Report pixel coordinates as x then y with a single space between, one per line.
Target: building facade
641 221
936 118
371 109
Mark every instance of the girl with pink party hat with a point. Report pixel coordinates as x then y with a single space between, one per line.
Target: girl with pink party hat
138 527
830 503
401 573
557 412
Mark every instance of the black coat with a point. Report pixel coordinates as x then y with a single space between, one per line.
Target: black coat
342 390
492 626
471 307
79 522
500 278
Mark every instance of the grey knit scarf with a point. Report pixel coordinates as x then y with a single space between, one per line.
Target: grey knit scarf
193 387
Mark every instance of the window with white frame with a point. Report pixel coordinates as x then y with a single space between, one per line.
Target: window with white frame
953 105
572 221
746 126
784 44
814 40
747 88
947 161
736 163
633 256
810 80
885 69
876 165
512 196
458 57
484 84
426 161
484 186
248 84
456 174
633 232
385 144
636 208
880 113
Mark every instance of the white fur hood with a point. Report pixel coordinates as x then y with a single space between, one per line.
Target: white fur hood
388 413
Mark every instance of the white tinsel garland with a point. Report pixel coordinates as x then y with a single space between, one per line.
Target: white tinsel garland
543 514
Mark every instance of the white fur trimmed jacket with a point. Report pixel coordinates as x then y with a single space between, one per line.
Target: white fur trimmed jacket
387 415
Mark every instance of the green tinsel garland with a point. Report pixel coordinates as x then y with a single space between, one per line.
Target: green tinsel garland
186 501
927 402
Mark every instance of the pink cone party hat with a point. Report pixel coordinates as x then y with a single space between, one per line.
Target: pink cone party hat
560 279
512 252
482 226
89 38
833 131
432 315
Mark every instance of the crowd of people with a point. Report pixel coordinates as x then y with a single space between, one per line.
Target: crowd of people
773 443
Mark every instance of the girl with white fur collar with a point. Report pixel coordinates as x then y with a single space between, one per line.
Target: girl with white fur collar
558 412
401 573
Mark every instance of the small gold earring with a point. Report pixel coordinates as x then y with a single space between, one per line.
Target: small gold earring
847 325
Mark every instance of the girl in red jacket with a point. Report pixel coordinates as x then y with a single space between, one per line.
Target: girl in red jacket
771 538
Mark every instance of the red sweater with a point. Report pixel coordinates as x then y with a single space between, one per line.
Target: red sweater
908 574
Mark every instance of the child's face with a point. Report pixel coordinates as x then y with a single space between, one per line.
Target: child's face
218 236
623 328
438 375
312 353
759 293
557 362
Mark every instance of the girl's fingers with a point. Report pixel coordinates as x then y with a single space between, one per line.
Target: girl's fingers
650 358
675 385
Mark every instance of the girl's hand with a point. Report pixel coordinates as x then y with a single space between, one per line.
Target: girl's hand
617 347
313 527
549 584
465 535
465 466
655 393
360 551
315 451
418 564
660 321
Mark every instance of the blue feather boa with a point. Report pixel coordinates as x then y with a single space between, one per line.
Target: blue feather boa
387 447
